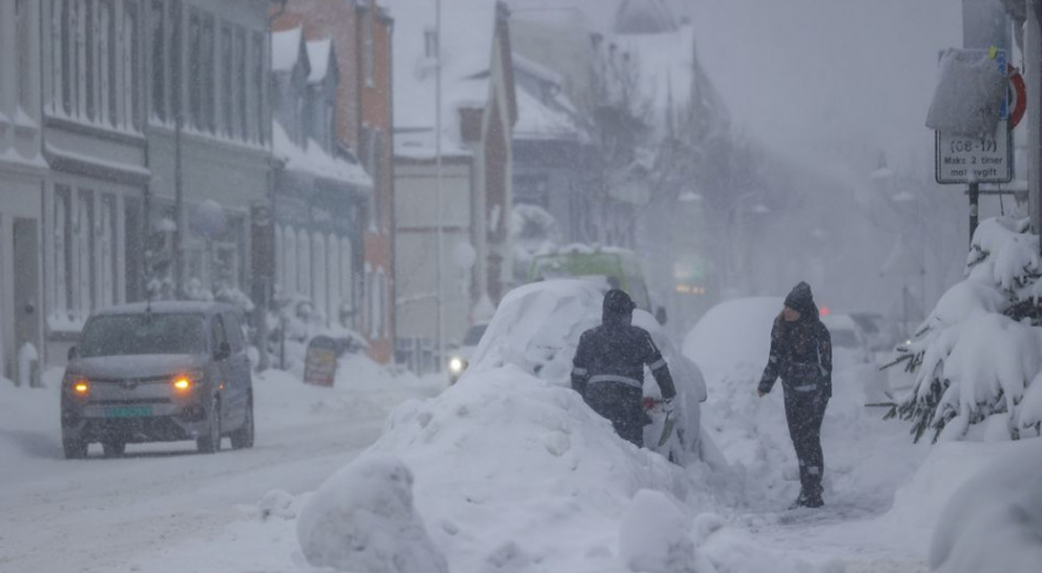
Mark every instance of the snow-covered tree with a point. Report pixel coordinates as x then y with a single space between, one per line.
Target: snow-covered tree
977 358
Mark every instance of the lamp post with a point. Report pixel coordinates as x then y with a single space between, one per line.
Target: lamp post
437 185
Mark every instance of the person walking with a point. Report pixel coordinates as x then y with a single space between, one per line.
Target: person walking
608 368
801 354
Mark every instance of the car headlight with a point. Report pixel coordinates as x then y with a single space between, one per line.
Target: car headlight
457 364
186 381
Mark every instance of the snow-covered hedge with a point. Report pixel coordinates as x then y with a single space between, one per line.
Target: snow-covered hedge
978 355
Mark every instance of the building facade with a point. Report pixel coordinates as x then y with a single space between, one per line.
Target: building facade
361 31
321 194
473 177
23 172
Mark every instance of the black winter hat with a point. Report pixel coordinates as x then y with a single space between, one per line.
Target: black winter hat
618 303
801 299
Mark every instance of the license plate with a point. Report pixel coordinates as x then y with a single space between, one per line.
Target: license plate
128 412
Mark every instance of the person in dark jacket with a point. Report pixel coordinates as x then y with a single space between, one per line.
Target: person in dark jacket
801 354
608 369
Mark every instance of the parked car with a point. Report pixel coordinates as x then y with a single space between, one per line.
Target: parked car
165 371
460 358
536 330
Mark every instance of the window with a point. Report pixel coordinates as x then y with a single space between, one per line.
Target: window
90 58
176 64
107 105
235 333
259 56
159 69
239 70
134 249
347 278
430 42
195 70
79 57
318 252
209 102
367 38
304 263
83 261
108 295
217 332
227 94
63 238
280 258
289 284
131 67
333 278
376 158
21 12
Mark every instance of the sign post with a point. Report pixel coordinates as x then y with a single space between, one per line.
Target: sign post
976 159
320 363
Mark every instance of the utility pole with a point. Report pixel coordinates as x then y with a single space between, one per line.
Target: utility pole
179 200
437 183
1033 81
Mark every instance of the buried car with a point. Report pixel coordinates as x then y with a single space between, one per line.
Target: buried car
460 358
537 327
161 372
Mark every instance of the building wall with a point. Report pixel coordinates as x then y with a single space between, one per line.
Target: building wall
22 170
336 20
225 138
417 247
376 144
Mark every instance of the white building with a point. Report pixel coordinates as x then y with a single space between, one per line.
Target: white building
22 173
478 113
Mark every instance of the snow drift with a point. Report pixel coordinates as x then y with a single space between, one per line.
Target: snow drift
363 519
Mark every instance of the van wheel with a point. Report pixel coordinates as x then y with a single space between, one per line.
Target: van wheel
211 442
243 437
114 449
74 449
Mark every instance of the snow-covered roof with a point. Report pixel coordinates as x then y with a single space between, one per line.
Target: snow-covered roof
319 54
644 17
468 27
539 121
285 49
315 161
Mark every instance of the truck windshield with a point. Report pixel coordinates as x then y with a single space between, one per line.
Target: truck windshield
127 334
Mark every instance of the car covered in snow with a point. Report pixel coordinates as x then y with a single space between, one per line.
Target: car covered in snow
849 341
537 327
165 371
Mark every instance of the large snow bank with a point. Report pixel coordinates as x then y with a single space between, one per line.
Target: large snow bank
362 519
508 465
993 523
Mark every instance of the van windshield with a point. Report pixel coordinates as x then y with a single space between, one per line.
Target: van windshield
128 334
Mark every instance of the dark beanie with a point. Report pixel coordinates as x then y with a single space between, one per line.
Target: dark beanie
801 299
617 305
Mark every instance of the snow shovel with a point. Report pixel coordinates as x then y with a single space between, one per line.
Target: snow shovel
667 429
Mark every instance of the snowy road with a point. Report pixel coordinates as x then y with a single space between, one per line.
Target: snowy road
116 514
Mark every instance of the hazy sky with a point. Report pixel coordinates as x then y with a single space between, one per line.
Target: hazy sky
819 77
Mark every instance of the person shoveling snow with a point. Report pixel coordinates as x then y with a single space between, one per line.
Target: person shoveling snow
608 370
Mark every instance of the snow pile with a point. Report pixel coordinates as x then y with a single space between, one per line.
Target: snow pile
993 523
976 356
504 443
655 536
537 329
363 519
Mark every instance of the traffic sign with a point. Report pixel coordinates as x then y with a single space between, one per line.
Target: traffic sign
980 159
970 159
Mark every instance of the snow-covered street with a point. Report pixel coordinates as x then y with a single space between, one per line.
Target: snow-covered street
131 514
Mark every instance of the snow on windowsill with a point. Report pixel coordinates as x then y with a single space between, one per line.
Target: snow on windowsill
64 324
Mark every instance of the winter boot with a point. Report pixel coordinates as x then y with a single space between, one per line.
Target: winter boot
813 501
801 501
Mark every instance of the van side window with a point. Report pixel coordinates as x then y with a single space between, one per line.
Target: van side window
217 335
235 334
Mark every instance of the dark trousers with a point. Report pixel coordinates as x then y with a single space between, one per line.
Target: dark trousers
804 411
622 405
